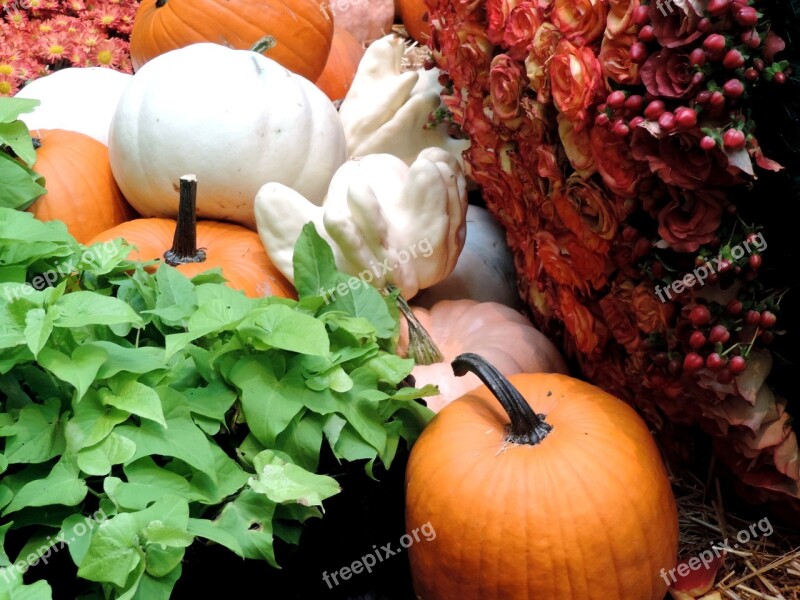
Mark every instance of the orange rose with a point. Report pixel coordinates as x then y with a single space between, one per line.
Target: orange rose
577 146
615 59
544 46
581 21
522 23
585 210
506 82
578 321
575 78
618 311
649 310
612 155
497 12
620 17
556 263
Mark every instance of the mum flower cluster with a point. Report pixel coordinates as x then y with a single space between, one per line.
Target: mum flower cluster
608 136
39 36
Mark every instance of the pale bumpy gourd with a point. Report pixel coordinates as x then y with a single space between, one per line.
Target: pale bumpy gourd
404 225
234 118
386 109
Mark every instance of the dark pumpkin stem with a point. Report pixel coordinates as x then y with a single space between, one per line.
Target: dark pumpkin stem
421 346
36 142
184 244
526 426
160 3
265 43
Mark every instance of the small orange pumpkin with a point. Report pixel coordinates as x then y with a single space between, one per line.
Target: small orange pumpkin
414 15
346 53
301 29
81 190
539 486
194 248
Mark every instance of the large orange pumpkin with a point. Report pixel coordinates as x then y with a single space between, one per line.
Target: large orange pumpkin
195 247
414 14
540 487
81 190
301 29
346 53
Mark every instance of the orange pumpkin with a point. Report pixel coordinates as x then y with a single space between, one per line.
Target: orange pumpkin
194 248
301 29
81 190
346 53
540 486
414 15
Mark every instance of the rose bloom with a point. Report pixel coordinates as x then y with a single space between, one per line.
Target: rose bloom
668 73
618 311
579 322
465 53
612 156
584 209
506 82
620 17
677 24
575 79
536 65
581 21
649 310
522 23
557 263
577 146
678 160
616 60
497 12
691 218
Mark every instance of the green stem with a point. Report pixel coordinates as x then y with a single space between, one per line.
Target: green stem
526 426
265 43
421 346
184 244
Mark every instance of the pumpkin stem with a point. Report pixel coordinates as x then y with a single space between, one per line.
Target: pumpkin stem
526 426
421 346
184 244
265 43
160 3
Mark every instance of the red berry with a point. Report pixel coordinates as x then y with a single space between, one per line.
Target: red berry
725 376
707 143
692 362
768 319
698 78
754 261
697 57
779 77
700 315
640 15
703 97
751 39
704 25
718 7
737 365
733 59
602 120
654 110
647 34
733 139
758 63
666 121
766 337
697 339
620 128
719 334
733 88
636 121
638 53
746 16
715 362
751 74
661 358
714 43
634 103
686 117
752 317
717 99
734 306
616 99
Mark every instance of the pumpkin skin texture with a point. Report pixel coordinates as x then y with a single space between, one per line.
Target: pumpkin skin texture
346 53
366 20
585 514
76 99
301 30
235 249
81 190
413 16
499 333
271 125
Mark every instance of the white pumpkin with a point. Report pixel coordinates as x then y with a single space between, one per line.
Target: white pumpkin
76 99
485 269
234 118
386 222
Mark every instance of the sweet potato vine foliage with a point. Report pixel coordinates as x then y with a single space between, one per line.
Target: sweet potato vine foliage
180 408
